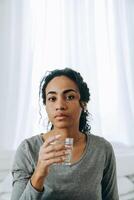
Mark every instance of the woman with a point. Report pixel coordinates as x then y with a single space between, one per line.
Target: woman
38 172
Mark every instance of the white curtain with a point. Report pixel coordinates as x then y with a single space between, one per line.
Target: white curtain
94 37
15 72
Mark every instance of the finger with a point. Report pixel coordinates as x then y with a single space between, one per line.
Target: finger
54 154
54 147
57 146
55 160
51 140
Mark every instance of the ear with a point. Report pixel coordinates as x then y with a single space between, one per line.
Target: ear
83 105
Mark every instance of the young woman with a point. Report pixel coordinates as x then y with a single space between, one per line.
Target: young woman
38 172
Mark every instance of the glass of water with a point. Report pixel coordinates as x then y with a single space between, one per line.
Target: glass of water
68 142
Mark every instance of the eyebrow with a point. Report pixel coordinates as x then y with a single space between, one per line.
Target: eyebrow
64 92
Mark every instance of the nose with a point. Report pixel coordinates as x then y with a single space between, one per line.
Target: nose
61 104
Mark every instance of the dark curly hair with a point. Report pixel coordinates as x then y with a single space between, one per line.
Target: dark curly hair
83 90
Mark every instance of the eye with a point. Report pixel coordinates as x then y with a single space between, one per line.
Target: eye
70 97
51 99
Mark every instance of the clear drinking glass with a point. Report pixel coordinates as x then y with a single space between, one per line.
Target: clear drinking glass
68 142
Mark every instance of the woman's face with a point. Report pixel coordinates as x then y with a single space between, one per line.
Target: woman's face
62 102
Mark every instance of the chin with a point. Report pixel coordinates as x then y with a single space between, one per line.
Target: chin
62 125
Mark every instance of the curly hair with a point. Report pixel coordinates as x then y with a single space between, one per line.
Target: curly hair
83 90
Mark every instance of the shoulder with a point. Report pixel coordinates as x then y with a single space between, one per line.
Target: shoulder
27 151
99 141
101 145
30 143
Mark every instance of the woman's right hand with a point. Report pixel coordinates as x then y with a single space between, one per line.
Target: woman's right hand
50 152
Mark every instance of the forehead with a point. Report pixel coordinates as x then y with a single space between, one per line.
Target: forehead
61 83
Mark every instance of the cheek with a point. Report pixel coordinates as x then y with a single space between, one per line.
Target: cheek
49 110
77 111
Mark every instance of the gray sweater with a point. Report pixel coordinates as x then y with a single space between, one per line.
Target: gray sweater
93 177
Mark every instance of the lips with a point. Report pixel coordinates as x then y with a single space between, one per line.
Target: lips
61 115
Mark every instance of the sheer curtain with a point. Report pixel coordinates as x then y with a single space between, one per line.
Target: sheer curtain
16 72
94 37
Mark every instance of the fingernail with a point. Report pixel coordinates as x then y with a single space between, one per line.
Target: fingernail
57 136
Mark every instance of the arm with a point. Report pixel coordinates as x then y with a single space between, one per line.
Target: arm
109 180
28 179
22 171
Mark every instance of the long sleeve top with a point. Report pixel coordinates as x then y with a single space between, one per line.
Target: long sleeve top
92 177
